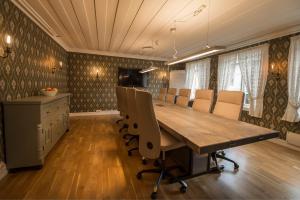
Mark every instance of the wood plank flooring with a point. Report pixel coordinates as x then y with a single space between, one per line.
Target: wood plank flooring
91 162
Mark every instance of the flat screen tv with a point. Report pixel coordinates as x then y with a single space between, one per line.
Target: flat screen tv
131 78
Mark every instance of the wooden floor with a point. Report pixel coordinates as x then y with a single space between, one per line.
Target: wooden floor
91 162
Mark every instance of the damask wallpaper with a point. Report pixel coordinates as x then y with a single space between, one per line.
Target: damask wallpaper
275 97
29 67
91 93
34 54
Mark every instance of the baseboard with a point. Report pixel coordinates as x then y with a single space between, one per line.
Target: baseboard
104 112
3 170
284 143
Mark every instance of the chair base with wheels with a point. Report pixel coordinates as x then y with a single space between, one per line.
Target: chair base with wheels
220 168
131 139
131 150
164 172
125 126
221 156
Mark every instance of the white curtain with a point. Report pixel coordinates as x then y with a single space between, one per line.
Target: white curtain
292 113
197 75
253 64
226 69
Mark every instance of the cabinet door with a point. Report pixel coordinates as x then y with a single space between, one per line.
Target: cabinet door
41 141
47 136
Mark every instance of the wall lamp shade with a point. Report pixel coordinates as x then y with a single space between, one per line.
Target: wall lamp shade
8 40
7 48
204 52
60 64
148 70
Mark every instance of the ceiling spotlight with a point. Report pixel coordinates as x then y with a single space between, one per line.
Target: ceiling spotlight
147 47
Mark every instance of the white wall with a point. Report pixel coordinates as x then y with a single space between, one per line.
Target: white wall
177 79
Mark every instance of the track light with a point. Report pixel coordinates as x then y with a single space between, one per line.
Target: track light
200 54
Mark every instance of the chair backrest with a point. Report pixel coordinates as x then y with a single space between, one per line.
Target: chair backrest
162 94
203 100
170 98
229 104
183 97
123 98
149 140
132 112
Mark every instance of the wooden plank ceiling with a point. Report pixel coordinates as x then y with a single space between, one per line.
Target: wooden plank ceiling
125 26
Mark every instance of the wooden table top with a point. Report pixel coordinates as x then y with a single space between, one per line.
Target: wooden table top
206 132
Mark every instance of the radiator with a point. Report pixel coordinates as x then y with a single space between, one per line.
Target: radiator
293 138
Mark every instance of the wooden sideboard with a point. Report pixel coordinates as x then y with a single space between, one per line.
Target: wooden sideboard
32 126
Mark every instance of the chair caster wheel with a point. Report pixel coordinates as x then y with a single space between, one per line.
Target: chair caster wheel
236 166
154 195
144 161
223 153
183 189
139 176
129 153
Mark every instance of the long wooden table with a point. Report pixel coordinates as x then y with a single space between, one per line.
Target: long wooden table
205 134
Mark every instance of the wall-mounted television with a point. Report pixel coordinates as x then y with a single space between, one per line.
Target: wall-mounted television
128 77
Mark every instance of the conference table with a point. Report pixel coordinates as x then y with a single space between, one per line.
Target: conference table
206 133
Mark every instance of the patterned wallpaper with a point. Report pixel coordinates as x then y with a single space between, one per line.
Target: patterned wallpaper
275 97
91 93
28 68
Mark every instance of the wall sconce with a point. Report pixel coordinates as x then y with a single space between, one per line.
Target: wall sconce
7 47
275 71
60 65
97 74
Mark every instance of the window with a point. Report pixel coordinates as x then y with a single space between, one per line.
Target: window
197 75
235 82
247 71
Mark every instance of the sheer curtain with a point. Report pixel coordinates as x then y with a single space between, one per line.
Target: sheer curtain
197 75
292 113
253 64
226 69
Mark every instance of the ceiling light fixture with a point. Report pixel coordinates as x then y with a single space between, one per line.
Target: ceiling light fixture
208 50
151 68
148 70
200 54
